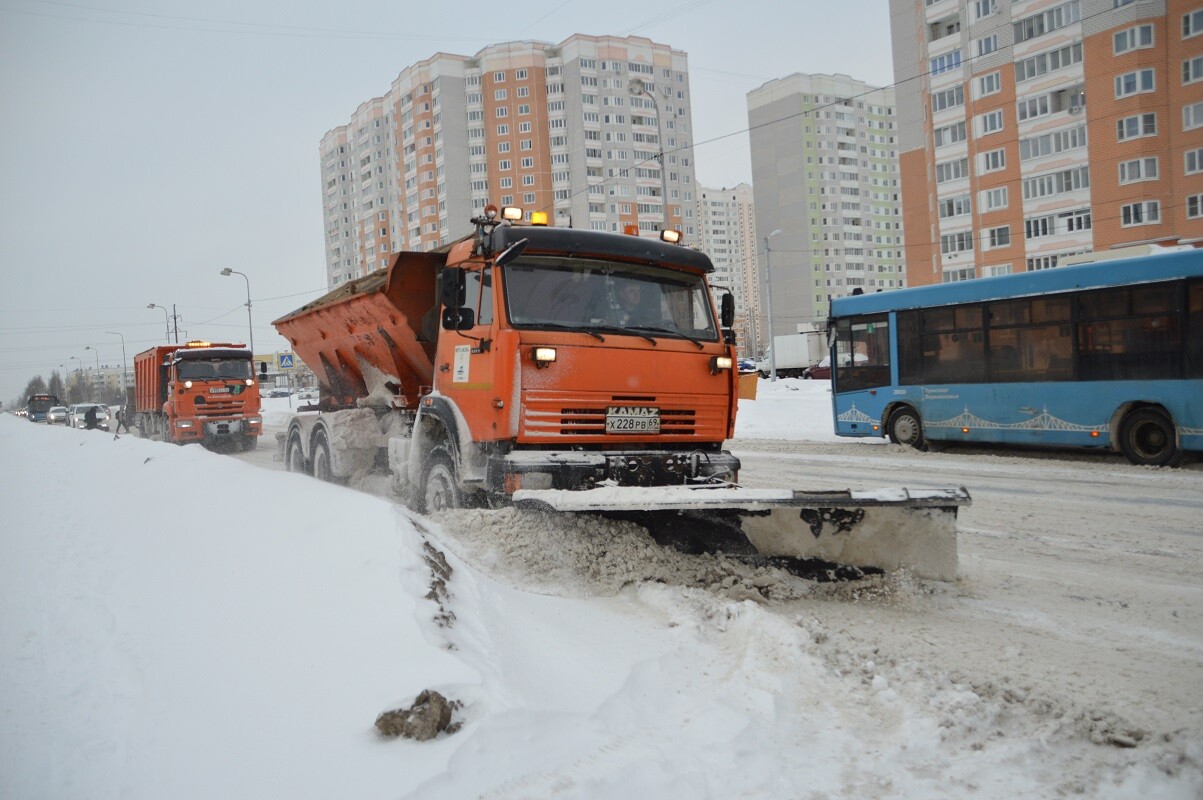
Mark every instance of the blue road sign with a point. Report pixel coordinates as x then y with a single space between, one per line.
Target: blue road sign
286 360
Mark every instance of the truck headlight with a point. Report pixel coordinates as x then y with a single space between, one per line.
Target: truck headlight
187 384
543 356
183 423
718 363
254 420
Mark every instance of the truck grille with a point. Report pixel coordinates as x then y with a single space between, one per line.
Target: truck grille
548 415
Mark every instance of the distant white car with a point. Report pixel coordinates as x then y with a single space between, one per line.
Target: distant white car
56 415
79 413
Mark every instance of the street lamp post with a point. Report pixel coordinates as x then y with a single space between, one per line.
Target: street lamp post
92 383
249 324
166 319
638 87
79 370
768 275
124 389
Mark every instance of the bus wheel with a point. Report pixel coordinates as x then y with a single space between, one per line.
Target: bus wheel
905 428
1147 438
440 491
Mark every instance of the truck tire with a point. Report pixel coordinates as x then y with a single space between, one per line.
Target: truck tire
906 428
1147 438
440 490
322 465
294 456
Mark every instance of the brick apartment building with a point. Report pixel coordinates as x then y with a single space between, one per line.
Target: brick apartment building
1033 130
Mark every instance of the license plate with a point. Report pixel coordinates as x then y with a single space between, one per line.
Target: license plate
219 390
632 419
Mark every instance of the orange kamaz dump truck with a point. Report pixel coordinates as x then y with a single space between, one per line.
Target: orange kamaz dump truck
197 392
568 370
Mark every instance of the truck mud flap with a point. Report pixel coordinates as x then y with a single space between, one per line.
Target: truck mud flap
885 529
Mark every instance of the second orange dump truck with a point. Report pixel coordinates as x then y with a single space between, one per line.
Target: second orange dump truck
569 370
197 392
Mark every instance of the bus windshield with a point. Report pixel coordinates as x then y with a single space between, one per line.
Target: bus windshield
583 294
41 403
214 369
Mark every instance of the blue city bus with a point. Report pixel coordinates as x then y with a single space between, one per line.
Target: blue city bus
1104 354
37 406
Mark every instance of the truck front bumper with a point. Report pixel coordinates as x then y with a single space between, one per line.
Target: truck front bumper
585 469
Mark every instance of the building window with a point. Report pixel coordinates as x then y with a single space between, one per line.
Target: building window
1054 183
949 98
946 62
962 274
998 237
1136 126
1192 116
987 44
528 163
989 84
1192 23
955 207
1194 206
528 180
503 111
1135 82
1075 220
956 242
1034 107
983 8
1134 38
952 170
498 77
950 134
990 122
1140 169
1055 142
503 130
1192 69
994 160
1147 212
1043 63
520 74
1194 161
503 147
995 199
1046 21
1036 227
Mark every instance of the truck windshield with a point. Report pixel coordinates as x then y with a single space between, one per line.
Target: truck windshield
583 294
214 369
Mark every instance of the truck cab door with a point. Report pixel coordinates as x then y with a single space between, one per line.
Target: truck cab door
467 357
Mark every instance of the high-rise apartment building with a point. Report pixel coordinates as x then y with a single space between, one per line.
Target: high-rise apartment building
1033 130
726 231
825 175
576 129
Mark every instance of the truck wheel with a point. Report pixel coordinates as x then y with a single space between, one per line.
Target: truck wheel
322 469
294 456
440 491
1147 438
905 428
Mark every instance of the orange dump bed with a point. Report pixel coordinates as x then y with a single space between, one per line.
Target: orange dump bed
383 323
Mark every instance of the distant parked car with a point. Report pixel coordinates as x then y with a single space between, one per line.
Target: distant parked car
822 370
305 394
747 365
79 413
57 415
279 392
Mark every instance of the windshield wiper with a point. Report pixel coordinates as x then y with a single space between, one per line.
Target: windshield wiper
556 326
676 334
618 329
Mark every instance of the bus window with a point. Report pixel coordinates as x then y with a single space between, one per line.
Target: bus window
862 352
953 345
1194 331
1031 353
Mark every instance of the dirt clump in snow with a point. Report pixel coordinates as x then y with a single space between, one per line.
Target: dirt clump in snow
430 715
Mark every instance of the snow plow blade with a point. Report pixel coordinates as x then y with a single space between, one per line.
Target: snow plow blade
887 529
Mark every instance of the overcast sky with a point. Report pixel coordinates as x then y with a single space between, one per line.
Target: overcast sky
150 143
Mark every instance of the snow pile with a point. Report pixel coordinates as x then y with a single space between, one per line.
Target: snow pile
181 624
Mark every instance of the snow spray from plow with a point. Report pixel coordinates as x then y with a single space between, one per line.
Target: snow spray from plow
884 529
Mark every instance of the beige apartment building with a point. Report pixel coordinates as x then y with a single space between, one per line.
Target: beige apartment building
726 231
825 180
577 129
1034 130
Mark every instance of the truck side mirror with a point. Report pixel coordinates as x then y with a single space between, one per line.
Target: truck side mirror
458 319
727 310
451 288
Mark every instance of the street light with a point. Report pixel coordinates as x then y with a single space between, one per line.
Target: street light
250 326
638 87
166 319
768 274
124 391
